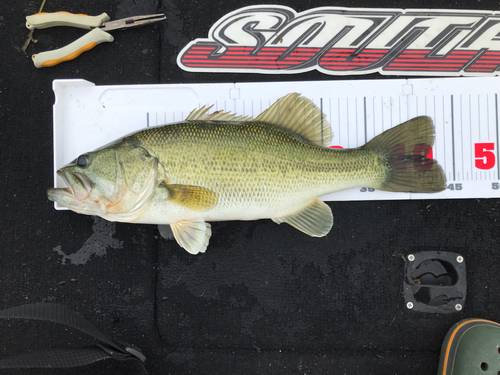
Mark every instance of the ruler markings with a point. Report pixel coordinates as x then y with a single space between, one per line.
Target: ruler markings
338 114
496 123
453 137
321 109
389 108
348 122
366 126
382 112
373 109
399 108
434 146
479 113
408 116
470 132
356 116
462 135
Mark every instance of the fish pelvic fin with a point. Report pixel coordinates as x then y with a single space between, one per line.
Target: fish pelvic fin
405 150
301 116
315 219
192 235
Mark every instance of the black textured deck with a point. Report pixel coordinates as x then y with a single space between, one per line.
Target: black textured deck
263 298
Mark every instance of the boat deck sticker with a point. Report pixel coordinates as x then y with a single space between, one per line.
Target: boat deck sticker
274 39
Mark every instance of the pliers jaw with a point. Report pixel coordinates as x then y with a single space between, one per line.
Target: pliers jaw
131 22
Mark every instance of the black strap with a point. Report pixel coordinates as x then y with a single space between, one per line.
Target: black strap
65 358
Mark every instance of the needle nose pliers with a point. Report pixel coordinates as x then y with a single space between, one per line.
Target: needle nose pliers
99 25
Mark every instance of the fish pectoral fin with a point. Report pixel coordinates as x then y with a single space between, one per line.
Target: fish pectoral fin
195 198
192 235
315 219
202 115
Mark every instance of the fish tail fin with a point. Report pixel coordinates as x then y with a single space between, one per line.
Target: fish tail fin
406 150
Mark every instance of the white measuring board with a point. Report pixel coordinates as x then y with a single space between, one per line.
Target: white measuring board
465 112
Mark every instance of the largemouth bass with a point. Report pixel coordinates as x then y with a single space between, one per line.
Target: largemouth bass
217 167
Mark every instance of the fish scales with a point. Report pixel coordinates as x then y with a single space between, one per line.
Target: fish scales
255 163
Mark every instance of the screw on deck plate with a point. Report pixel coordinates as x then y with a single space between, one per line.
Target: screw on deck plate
409 305
411 257
458 307
460 259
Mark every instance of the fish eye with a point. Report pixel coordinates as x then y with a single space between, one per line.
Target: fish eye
83 161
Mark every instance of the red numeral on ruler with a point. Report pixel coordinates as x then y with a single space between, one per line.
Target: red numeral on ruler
485 157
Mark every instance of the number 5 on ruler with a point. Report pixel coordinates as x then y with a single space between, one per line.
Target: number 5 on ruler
485 158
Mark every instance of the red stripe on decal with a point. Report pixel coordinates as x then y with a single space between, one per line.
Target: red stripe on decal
416 51
239 62
483 66
341 50
409 68
364 59
412 56
334 59
434 65
430 60
209 48
345 63
302 54
307 49
277 66
339 67
247 58
370 55
337 54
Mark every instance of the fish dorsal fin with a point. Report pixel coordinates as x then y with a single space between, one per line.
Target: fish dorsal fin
192 235
203 115
301 116
315 219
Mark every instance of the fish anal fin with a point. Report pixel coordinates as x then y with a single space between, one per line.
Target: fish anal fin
195 198
301 116
192 235
315 219
203 115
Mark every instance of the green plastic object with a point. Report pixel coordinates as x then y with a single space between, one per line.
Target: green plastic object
472 346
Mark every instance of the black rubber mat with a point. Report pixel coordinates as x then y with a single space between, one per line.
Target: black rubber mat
263 298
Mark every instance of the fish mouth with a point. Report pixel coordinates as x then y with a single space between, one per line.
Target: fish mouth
79 186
